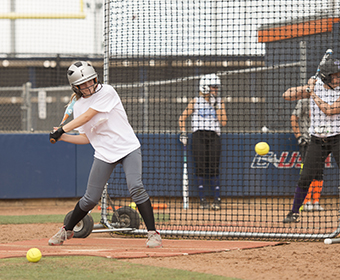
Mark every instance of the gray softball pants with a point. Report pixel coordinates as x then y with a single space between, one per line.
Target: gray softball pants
100 174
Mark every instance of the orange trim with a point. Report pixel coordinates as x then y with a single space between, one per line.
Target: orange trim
108 208
154 206
296 30
159 206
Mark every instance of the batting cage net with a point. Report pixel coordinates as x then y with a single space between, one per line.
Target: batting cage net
204 83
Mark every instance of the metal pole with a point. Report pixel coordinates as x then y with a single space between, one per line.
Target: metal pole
26 107
12 26
23 108
303 63
106 68
146 109
29 106
215 28
94 27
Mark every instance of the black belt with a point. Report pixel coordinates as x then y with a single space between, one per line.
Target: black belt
324 140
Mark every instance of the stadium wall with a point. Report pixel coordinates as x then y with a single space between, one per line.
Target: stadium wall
31 167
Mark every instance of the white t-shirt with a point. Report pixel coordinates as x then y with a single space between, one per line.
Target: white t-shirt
321 124
109 131
204 116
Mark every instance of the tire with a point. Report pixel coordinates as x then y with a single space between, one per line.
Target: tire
84 228
128 218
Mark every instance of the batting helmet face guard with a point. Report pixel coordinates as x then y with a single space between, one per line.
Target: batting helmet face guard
207 81
331 66
81 72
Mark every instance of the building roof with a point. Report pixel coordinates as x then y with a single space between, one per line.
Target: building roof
298 27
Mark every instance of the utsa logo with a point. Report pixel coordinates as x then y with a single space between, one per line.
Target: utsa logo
207 113
284 161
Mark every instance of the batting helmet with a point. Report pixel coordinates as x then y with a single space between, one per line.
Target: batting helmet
207 81
331 66
81 72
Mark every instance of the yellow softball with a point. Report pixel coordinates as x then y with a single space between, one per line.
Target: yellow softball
262 148
133 205
33 255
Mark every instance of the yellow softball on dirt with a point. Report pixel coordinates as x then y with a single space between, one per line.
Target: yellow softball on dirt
133 205
33 255
262 148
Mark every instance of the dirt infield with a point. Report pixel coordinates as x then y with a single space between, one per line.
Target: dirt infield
125 248
296 260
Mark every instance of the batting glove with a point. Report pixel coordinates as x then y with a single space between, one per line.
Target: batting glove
56 134
302 141
183 138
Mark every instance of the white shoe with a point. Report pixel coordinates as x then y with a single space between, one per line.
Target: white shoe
308 207
61 236
154 240
317 207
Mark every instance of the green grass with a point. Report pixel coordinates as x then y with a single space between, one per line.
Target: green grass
91 268
31 219
41 219
160 217
85 267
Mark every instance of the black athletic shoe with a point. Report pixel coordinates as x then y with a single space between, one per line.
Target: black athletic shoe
292 218
204 204
216 205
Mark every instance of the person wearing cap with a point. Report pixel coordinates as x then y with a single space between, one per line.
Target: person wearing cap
208 114
323 93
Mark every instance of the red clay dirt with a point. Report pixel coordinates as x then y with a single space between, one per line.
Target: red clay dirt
125 248
240 259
